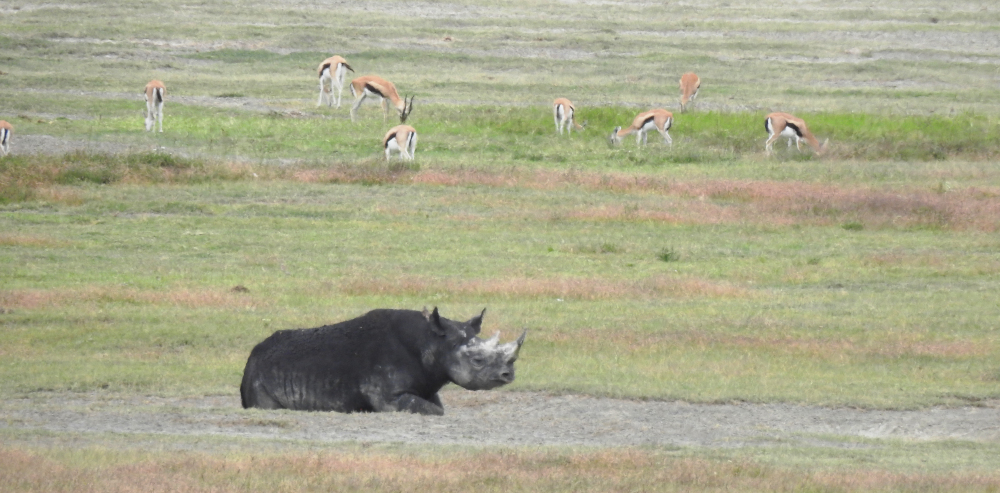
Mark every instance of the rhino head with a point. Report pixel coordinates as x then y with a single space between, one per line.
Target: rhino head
471 362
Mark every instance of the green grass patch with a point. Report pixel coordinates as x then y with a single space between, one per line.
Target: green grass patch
107 275
478 135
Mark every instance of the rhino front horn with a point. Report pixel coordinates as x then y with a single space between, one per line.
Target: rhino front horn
519 342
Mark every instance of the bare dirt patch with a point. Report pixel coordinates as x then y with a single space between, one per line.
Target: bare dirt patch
505 418
28 144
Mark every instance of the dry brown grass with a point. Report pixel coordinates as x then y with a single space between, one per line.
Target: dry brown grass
549 287
25 240
59 195
746 202
760 202
708 201
698 201
938 263
506 470
189 298
367 172
900 347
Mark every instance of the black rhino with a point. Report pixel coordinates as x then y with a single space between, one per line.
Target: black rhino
385 360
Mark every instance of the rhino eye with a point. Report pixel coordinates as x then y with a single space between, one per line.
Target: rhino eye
478 360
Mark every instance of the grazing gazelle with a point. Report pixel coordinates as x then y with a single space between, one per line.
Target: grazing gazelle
563 112
658 119
5 130
401 139
785 125
333 70
690 83
154 92
373 85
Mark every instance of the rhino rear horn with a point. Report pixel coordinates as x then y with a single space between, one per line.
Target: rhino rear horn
514 348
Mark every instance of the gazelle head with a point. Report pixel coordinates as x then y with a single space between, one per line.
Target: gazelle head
823 148
407 109
614 138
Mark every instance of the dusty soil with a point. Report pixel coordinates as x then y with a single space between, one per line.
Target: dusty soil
504 418
47 144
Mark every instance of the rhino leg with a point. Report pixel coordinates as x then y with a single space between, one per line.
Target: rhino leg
415 404
436 400
259 397
386 394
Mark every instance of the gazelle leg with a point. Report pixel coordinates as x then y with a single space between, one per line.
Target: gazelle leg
357 103
769 144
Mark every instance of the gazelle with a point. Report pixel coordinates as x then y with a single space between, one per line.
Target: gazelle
154 92
785 125
690 83
563 112
333 70
401 139
5 130
373 85
657 119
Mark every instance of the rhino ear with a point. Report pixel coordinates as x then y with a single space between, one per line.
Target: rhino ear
477 322
434 319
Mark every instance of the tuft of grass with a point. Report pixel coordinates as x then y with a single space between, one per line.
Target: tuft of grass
668 254
608 247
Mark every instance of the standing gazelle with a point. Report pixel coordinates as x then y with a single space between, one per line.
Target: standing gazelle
563 112
154 92
690 83
657 119
785 125
373 85
333 70
5 131
401 139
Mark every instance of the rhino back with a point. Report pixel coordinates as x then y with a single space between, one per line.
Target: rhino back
328 368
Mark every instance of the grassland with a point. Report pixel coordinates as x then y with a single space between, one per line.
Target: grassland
703 272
